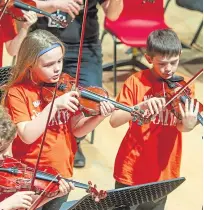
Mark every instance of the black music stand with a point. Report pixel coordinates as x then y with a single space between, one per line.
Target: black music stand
5 73
126 198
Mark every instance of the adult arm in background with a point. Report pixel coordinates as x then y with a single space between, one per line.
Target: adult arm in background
72 7
112 8
12 46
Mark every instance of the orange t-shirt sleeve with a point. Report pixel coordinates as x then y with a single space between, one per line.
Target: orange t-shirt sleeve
16 104
128 93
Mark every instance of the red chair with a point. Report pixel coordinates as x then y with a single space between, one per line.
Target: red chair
137 20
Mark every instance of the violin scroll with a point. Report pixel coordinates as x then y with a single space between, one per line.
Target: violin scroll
139 116
96 195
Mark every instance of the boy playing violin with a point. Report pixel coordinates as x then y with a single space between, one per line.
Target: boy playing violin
21 199
39 63
152 152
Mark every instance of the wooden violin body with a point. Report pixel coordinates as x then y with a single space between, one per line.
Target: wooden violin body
16 176
90 97
171 90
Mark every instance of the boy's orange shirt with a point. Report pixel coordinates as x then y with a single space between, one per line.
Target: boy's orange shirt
24 104
150 152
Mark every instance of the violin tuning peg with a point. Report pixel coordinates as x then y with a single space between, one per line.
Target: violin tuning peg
134 118
142 111
140 123
136 108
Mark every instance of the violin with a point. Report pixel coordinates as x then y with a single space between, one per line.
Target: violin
16 176
175 95
90 97
14 7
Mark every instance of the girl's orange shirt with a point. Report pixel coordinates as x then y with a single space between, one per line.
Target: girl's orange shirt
151 152
24 104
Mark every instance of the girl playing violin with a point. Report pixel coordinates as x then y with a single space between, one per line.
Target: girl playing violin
9 35
152 152
39 61
21 199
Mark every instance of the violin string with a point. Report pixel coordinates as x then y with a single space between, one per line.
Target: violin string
22 169
38 172
185 86
29 168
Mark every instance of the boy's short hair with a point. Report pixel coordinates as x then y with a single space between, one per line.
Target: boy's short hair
7 127
163 42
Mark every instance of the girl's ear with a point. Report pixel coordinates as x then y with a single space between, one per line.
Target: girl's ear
149 59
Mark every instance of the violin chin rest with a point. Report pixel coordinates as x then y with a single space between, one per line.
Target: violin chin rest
176 78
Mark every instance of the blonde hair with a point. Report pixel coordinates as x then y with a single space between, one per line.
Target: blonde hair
28 54
7 127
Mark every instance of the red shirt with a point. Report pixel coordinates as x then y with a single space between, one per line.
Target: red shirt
7 32
151 152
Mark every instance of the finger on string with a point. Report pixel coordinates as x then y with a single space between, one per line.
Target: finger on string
68 108
67 186
71 184
74 100
150 107
156 110
159 104
102 111
27 17
103 106
72 105
196 110
181 110
191 109
112 107
107 106
64 185
186 106
163 101
61 189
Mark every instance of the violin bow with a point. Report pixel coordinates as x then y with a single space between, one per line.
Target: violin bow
4 9
81 46
41 148
184 87
41 196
